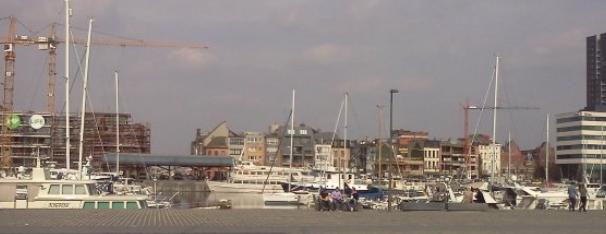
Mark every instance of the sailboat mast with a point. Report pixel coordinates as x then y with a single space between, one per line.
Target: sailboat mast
547 152
117 124
292 133
494 119
509 154
344 132
67 45
84 93
379 141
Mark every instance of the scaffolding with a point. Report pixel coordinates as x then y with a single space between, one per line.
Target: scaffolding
48 142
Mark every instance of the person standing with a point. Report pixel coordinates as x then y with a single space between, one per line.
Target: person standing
583 193
572 196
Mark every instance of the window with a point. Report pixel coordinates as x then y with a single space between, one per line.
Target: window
303 132
21 192
577 128
569 119
67 189
103 205
117 205
89 205
54 189
80 189
132 205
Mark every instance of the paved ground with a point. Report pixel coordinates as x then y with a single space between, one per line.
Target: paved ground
298 221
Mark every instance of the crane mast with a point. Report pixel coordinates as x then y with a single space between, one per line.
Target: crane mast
7 102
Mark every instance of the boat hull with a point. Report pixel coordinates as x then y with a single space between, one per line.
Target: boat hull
226 187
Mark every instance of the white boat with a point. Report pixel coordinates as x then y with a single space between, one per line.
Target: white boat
536 198
38 191
243 187
248 177
286 198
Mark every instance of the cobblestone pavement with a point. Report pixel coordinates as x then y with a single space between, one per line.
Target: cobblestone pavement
297 221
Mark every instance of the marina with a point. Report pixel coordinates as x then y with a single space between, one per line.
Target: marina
299 117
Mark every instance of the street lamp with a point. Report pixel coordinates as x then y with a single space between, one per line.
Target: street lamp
391 92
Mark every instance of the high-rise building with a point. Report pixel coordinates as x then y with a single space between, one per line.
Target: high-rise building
596 77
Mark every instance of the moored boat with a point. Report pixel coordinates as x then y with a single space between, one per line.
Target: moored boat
38 191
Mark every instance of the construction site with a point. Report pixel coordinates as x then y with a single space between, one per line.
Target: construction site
25 143
26 135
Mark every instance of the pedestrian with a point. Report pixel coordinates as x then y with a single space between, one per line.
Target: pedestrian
353 202
347 190
583 193
572 196
354 194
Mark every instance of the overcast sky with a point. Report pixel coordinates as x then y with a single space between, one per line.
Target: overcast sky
437 53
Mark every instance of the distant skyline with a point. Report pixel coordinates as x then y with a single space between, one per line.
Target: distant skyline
436 53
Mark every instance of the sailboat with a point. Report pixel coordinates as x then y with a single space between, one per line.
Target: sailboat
288 197
330 177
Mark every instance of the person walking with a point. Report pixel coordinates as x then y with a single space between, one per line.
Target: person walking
353 202
572 196
583 193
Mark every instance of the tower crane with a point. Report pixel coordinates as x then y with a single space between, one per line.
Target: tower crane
50 43
466 107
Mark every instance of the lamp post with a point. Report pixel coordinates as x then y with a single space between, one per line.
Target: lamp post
391 93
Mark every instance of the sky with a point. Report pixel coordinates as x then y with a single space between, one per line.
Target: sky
436 53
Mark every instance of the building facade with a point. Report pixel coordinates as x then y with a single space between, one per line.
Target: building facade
254 147
303 146
431 158
215 142
490 159
410 154
272 142
323 157
341 155
580 141
596 73
452 160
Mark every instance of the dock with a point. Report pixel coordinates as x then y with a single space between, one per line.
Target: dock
297 221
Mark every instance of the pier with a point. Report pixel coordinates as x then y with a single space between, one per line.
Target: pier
297 221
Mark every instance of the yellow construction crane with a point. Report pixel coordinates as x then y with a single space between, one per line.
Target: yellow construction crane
50 43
